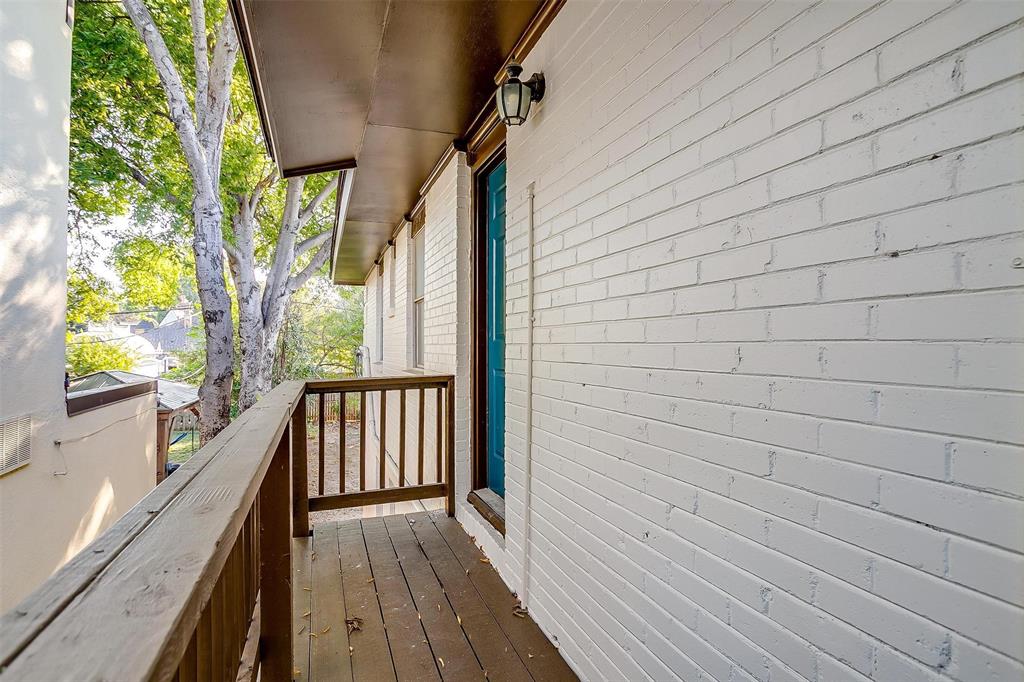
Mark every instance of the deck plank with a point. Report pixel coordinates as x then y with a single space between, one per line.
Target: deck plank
540 656
456 660
329 643
497 655
371 655
430 609
406 637
302 585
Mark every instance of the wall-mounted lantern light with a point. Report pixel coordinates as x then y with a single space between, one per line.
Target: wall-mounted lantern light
514 96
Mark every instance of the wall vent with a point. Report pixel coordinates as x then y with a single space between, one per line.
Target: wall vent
15 443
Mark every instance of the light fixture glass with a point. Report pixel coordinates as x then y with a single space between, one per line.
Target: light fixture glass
514 96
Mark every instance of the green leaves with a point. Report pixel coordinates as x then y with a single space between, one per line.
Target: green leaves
86 355
153 274
90 298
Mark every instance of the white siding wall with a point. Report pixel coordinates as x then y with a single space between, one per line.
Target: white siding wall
777 394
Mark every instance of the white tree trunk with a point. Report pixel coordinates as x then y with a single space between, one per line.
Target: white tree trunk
261 318
201 139
215 391
201 134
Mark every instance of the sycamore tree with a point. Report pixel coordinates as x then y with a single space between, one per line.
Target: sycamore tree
164 129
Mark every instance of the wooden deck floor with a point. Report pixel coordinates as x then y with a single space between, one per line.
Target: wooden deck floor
409 597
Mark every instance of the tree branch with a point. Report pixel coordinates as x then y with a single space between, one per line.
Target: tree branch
307 213
312 242
299 279
284 251
219 93
202 60
257 192
174 89
233 253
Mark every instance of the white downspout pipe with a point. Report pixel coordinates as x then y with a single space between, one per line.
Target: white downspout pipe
528 447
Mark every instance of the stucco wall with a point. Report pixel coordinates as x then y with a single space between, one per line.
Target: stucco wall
69 493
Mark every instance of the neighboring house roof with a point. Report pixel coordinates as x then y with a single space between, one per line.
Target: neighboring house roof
172 334
171 395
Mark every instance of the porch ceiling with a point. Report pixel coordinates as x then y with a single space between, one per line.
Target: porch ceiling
383 86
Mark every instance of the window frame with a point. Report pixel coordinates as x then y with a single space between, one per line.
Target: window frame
380 312
392 268
418 239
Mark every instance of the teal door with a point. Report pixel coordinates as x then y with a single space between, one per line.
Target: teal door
495 318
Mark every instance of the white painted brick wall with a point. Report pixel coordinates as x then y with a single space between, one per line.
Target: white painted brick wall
447 323
778 361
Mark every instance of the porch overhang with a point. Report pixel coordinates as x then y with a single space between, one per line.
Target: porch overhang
380 86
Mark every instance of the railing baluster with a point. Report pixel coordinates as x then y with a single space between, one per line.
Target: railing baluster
419 443
232 615
401 439
362 440
450 454
275 568
437 470
216 607
385 491
383 437
300 471
320 445
187 668
341 442
204 645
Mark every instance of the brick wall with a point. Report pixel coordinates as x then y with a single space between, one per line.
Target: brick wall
447 281
777 364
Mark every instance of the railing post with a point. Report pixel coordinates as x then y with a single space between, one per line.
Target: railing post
300 466
450 451
276 564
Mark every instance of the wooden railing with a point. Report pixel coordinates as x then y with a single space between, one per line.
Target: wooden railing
373 486
176 588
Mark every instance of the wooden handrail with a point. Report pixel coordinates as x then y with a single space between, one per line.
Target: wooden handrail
171 590
376 383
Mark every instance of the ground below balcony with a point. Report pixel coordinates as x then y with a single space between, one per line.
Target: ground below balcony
409 597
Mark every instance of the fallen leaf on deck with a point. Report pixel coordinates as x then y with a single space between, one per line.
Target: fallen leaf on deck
458 618
325 630
354 623
484 560
369 580
306 614
308 589
441 660
518 612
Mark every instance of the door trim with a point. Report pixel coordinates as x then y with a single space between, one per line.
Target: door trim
478 351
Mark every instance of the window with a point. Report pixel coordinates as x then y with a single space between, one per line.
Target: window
419 248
